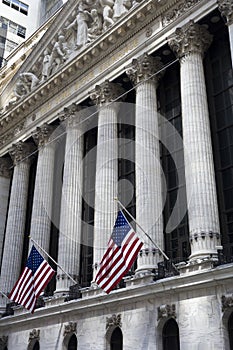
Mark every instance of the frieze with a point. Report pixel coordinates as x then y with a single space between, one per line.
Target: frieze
167 310
176 12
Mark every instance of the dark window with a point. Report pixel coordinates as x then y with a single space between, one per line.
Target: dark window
17 5
170 336
36 346
230 330
6 2
116 342
72 345
90 141
177 241
21 31
219 81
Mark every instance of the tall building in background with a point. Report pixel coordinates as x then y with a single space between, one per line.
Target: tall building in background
19 19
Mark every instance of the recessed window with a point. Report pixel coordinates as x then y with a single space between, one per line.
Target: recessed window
171 339
17 5
13 27
72 345
116 339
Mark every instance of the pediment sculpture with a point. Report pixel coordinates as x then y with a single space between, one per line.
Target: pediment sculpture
90 19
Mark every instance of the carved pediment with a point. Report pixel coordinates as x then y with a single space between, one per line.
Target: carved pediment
74 27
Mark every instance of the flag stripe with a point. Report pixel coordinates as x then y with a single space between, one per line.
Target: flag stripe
123 248
34 278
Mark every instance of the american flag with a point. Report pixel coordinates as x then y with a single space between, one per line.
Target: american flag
123 248
34 278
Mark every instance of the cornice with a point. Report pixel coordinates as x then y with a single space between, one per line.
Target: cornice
162 290
84 62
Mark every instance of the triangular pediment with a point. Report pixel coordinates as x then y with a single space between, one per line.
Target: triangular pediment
78 25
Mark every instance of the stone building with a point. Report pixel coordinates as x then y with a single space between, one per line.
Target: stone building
134 100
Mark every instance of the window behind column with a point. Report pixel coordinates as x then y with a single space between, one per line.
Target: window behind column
176 242
90 141
230 330
220 97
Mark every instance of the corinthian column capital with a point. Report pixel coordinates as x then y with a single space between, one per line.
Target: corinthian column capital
21 151
144 67
192 38
106 92
42 134
226 9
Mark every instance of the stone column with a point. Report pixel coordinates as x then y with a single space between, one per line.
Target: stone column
106 167
43 191
71 202
149 203
226 9
14 236
5 177
190 43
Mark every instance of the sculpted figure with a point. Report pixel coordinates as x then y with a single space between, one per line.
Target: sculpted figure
107 13
96 26
46 65
20 89
80 23
29 80
60 53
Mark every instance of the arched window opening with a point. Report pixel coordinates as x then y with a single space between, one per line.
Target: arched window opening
230 330
116 340
36 346
72 345
171 339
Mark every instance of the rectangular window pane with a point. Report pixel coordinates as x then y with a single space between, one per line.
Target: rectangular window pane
6 2
21 32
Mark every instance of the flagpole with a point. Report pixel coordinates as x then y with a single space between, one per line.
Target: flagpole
49 256
4 295
155 244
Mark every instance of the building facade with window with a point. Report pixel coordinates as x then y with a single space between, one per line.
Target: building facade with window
130 100
19 20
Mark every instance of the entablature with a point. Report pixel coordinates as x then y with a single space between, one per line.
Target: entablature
106 57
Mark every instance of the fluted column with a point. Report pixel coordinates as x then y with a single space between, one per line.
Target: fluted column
43 191
149 203
14 236
5 177
190 43
71 202
106 167
226 9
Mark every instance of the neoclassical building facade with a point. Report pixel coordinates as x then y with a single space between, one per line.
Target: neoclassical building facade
128 100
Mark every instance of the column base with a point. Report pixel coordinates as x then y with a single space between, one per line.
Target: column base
139 279
197 265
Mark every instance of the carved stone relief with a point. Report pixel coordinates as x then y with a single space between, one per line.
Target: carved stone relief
227 302
114 320
111 323
3 342
178 11
167 310
34 335
91 19
70 328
